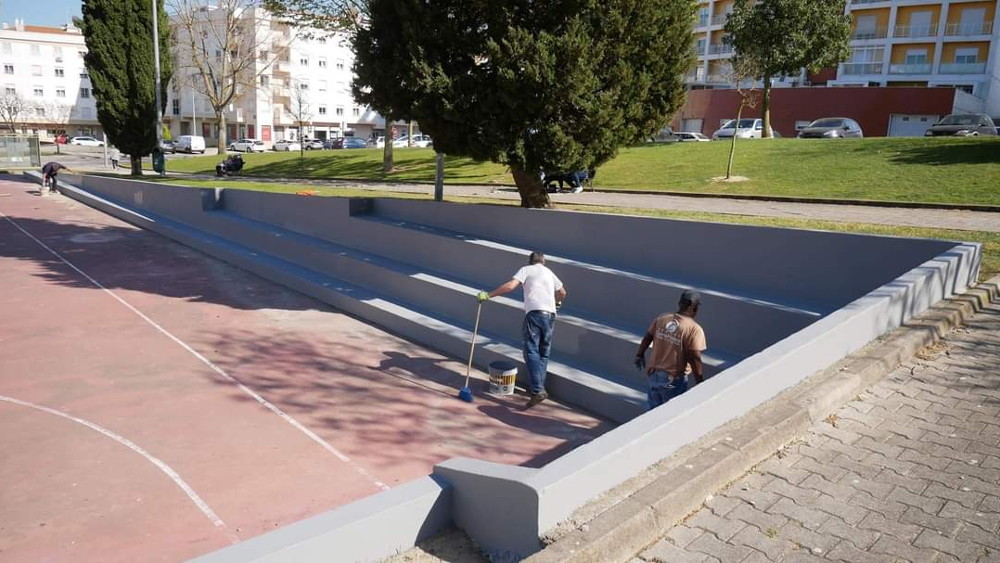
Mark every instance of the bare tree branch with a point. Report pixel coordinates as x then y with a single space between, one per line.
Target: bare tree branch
12 109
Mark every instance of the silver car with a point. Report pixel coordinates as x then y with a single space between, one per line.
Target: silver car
832 128
963 125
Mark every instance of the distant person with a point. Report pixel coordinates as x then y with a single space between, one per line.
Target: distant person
543 293
115 155
49 173
677 343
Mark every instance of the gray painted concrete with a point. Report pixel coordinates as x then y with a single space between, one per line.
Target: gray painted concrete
413 266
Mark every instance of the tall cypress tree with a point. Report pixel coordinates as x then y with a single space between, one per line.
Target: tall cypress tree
119 36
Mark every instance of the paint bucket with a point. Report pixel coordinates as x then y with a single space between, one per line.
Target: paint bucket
503 375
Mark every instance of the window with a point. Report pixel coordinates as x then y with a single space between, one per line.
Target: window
340 64
36 70
60 92
61 73
322 110
84 92
7 49
218 55
357 111
321 62
36 50
304 61
40 111
82 54
967 55
321 40
38 92
916 57
340 111
175 107
263 80
322 86
303 85
341 86
8 69
84 76
10 90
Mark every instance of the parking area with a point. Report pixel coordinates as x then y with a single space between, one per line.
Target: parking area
159 404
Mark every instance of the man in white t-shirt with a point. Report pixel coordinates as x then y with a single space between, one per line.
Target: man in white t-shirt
543 294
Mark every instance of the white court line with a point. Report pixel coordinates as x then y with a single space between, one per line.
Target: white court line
287 418
197 500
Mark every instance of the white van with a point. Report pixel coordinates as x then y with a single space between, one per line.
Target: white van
190 144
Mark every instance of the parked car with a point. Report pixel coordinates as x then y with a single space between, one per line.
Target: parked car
247 145
168 146
285 145
691 137
313 144
963 125
86 142
353 143
832 128
379 143
665 135
748 129
190 144
419 141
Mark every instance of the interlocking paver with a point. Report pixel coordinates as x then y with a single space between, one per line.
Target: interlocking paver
666 552
907 471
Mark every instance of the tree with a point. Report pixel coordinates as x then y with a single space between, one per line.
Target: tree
782 37
58 115
12 108
555 86
302 112
742 73
120 62
225 46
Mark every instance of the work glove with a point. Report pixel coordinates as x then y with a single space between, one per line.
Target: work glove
482 296
640 362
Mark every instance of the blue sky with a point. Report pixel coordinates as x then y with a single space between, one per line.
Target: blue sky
39 12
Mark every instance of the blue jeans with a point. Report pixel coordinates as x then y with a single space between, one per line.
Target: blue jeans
662 388
537 335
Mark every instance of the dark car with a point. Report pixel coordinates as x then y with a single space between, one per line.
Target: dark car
832 128
354 143
334 143
963 125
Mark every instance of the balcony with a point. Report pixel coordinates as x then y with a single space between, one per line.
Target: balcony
720 19
911 68
702 21
929 30
967 29
718 79
962 68
720 49
870 33
869 1
860 68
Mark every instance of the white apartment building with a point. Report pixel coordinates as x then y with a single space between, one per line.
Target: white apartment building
295 75
44 66
894 43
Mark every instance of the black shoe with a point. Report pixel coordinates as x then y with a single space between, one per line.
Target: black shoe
535 399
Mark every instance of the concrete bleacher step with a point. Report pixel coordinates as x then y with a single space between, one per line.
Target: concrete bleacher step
598 347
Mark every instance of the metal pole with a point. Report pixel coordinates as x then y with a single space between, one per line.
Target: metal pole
156 72
194 114
439 177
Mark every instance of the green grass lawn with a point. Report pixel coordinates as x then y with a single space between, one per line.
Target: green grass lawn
957 170
990 241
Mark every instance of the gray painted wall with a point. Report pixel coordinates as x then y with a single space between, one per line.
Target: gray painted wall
779 305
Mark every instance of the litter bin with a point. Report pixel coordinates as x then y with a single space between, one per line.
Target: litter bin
503 375
158 161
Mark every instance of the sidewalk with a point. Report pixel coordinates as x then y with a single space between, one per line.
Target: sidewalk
908 471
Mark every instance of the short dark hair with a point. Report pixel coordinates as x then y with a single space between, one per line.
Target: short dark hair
536 257
689 298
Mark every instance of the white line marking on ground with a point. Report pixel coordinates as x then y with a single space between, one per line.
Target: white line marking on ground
286 417
197 500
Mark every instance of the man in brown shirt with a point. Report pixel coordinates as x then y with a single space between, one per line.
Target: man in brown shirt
677 343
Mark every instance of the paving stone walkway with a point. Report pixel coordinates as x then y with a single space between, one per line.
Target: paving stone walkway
908 471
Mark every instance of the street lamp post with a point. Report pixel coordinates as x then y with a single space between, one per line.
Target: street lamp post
156 82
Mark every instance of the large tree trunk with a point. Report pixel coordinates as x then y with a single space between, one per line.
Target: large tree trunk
531 188
220 116
765 108
136 164
387 163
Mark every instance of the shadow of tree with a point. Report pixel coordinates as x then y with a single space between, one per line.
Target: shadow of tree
942 152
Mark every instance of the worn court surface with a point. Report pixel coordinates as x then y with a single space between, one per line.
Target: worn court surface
156 404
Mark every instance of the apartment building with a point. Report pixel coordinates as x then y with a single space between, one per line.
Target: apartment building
912 44
298 86
43 66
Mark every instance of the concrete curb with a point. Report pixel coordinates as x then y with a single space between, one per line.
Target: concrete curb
636 514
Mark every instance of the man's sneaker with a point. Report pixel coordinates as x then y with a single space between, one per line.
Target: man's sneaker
535 399
577 190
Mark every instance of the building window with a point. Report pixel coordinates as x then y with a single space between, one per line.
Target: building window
36 50
36 70
340 64
61 73
322 86
263 80
60 92
967 55
916 57
40 111
341 86
321 62
84 92
82 54
218 55
357 111
7 49
38 92
322 110
340 111
84 76
8 69
304 61
321 40
10 90
175 107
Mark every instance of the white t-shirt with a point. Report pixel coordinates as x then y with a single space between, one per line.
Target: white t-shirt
540 286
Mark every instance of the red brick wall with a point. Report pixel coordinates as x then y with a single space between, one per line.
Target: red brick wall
871 107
